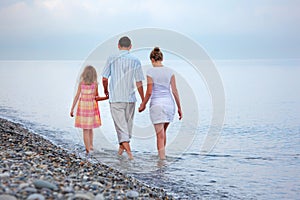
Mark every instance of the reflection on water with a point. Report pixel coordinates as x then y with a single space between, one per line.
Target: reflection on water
257 156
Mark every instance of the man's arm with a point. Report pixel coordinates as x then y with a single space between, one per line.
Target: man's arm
147 95
105 85
105 75
139 86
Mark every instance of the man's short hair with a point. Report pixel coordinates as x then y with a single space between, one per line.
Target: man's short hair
124 41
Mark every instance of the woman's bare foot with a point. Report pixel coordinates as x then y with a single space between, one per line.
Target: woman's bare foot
130 156
162 158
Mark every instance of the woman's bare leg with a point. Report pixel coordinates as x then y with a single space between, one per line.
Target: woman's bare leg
160 135
165 129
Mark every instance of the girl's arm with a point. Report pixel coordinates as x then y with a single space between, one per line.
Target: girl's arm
96 90
75 100
101 98
176 96
147 95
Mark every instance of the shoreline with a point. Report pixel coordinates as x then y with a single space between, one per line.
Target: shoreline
32 167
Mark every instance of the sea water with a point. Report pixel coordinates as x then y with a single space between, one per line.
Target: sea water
257 153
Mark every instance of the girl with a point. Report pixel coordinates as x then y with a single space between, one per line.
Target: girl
87 115
162 107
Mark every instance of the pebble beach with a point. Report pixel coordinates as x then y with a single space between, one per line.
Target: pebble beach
31 167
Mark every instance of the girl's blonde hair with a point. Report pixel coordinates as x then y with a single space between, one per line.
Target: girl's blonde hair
89 75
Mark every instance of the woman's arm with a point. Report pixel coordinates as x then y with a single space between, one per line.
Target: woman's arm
75 100
147 95
176 96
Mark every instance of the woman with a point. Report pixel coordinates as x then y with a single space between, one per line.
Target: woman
162 107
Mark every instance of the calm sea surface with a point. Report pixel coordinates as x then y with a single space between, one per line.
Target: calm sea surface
257 155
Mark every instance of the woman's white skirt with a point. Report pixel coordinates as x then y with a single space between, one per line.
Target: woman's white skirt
162 111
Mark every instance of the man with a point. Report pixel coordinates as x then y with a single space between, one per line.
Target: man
124 71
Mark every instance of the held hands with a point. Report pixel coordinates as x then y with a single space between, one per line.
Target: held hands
142 107
106 93
98 98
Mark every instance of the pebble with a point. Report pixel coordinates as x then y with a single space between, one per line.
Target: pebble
85 196
44 184
7 197
132 194
36 197
23 185
30 190
97 184
4 175
31 167
29 153
99 197
67 189
85 178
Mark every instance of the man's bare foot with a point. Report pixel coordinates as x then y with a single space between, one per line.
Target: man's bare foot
121 150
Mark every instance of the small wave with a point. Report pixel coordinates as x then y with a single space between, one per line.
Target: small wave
218 155
259 158
206 155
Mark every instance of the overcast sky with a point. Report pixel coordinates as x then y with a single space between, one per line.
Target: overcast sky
227 29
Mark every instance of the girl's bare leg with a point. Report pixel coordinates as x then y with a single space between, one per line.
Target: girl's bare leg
86 140
160 136
91 138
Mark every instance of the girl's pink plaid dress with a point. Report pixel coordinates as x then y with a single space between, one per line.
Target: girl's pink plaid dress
87 115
